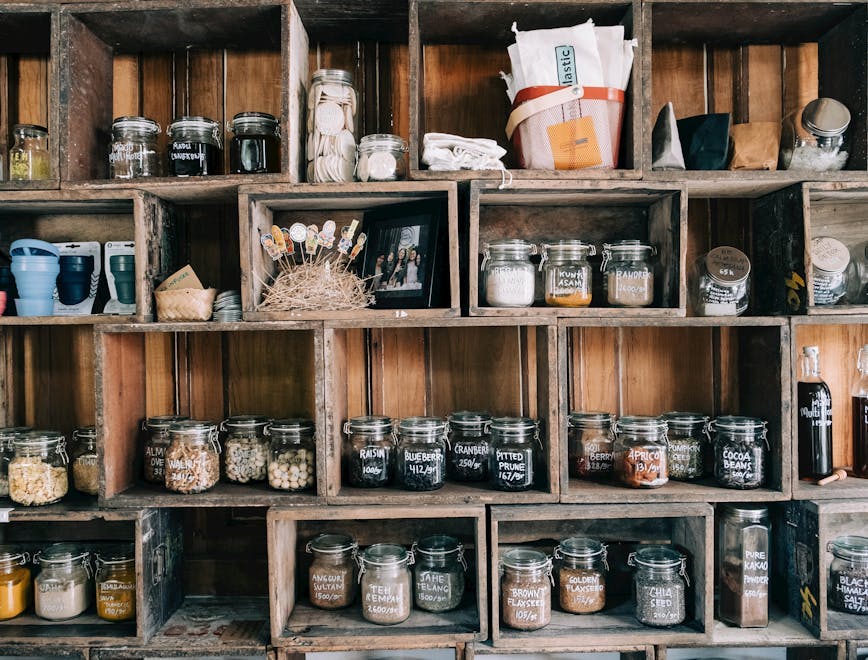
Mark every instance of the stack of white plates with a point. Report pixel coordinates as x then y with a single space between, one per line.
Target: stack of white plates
227 307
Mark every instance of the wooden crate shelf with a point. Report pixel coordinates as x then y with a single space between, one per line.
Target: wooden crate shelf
857 649
595 651
834 651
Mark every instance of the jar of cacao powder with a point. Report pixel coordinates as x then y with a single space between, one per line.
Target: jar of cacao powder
744 538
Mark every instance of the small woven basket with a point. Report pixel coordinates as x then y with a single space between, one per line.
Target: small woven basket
185 304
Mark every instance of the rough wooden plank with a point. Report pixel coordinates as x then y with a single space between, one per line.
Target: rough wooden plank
678 75
125 86
801 77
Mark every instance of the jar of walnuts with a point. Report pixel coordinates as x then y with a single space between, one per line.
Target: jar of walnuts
193 457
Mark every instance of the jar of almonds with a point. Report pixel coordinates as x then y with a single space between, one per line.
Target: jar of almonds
37 473
291 457
245 450
193 457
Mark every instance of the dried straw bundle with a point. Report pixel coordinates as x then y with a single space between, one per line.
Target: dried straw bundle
315 286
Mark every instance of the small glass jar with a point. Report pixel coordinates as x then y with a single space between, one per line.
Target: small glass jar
85 461
848 574
507 273
116 583
660 584
7 453
830 265
38 473
331 127
29 158
16 587
567 273
369 452
687 436
155 446
469 445
740 449
721 285
743 565
193 457
292 455
385 578
438 576
591 443
420 463
582 569
255 145
245 448
134 148
64 586
641 459
332 573
814 138
628 273
514 441
381 158
525 589
194 148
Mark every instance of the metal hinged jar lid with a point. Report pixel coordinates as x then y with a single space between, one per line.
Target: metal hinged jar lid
29 131
332 544
685 420
421 427
581 547
163 422
368 424
135 124
182 127
752 513
291 426
825 117
524 559
196 430
641 424
245 422
385 554
829 255
656 557
9 433
117 553
254 123
332 75
39 439
12 556
437 545
727 265
507 248
581 419
382 142
566 250
515 427
737 424
61 553
852 548
469 420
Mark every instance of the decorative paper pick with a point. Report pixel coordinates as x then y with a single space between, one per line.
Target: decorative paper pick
326 237
346 241
352 229
360 243
310 243
267 241
287 239
277 236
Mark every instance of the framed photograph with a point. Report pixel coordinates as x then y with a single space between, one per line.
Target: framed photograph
405 254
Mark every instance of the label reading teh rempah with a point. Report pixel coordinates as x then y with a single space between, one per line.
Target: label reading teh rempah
565 57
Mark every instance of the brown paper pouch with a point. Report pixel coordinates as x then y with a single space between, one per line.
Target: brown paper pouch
755 145
574 144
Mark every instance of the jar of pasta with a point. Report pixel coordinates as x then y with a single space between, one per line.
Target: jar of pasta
63 588
38 472
591 442
291 457
582 569
628 274
156 444
85 461
687 436
369 451
567 273
245 449
469 444
15 584
640 451
525 589
193 457
332 574
384 575
7 453
116 583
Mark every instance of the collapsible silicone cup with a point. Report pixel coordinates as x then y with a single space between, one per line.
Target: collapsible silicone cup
73 283
123 267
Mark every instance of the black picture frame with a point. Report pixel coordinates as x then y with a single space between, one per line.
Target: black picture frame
415 233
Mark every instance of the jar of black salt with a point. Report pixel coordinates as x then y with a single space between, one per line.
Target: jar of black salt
514 441
468 446
369 451
421 459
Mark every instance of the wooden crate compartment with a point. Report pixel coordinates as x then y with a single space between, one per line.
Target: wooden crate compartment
773 652
857 650
457 51
262 207
296 624
689 527
40 650
155 533
406 371
688 365
543 211
587 652
207 371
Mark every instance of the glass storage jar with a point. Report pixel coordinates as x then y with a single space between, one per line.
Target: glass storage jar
332 574
62 589
508 275
420 463
628 274
292 455
134 148
660 583
193 457
155 446
7 453
721 283
369 452
38 472
567 273
194 147
385 578
331 127
381 158
116 583
85 462
469 445
830 265
740 448
591 442
255 145
525 589
514 441
848 574
641 459
16 588
438 575
582 569
28 157
245 448
814 138
743 565
687 444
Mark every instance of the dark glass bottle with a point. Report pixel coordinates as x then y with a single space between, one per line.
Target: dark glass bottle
860 416
815 418
255 146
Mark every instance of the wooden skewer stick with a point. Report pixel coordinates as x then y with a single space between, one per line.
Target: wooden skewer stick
837 475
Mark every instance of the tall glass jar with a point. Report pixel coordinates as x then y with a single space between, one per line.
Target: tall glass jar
245 448
848 574
255 146
155 446
332 574
591 443
420 463
660 584
38 473
193 457
116 583
331 127
369 451
64 587
292 455
687 437
721 284
7 453
29 158
830 262
438 575
567 273
469 445
195 148
641 459
384 575
507 274
743 565
134 148
859 415
525 589
381 158
628 273
85 461
16 592
814 138
582 569
740 450
514 442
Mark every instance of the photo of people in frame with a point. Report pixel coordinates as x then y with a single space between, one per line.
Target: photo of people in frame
399 263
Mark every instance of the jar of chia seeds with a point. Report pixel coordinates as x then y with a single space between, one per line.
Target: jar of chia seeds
740 451
591 441
469 445
525 589
688 442
514 445
438 575
385 579
420 463
369 451
848 574
660 584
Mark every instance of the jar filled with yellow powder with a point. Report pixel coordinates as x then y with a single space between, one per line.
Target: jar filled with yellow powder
116 583
15 584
